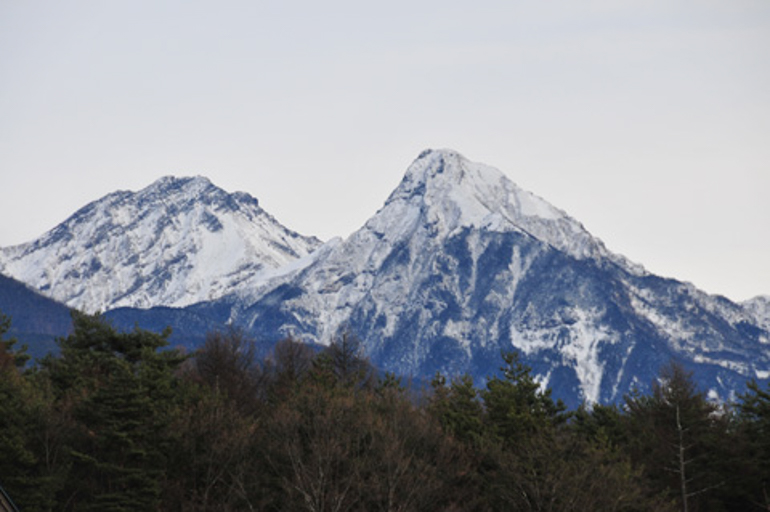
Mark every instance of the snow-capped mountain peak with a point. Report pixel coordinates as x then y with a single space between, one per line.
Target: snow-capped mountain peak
458 265
449 192
461 264
173 243
476 189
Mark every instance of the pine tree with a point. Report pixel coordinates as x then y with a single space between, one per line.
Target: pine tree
754 428
676 435
17 459
515 405
10 356
458 408
121 386
21 413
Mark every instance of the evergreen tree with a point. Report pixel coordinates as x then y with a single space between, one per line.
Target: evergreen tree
10 356
515 405
600 424
676 434
343 364
458 408
18 462
534 462
22 471
121 386
754 435
121 466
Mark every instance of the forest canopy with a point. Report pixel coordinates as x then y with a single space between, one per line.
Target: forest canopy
120 421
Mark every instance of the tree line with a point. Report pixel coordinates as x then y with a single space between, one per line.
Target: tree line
119 421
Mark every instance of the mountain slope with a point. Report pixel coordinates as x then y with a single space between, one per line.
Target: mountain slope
174 243
760 308
460 264
36 321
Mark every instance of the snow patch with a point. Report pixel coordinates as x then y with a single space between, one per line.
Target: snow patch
579 344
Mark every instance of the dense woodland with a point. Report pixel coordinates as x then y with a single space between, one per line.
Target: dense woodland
119 421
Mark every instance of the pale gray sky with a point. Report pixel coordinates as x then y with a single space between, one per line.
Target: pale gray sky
648 121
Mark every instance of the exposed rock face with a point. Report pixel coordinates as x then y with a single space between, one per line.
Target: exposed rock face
461 264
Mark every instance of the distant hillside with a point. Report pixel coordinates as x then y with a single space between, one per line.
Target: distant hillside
189 326
38 321
35 320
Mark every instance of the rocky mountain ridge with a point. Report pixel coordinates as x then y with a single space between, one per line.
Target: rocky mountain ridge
177 242
458 265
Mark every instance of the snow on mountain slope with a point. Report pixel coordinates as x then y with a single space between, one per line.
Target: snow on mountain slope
460 264
455 193
441 195
760 308
174 243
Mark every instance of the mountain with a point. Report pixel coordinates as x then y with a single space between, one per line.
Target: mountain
461 264
177 242
35 320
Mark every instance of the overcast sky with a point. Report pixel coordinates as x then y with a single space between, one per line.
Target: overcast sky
648 121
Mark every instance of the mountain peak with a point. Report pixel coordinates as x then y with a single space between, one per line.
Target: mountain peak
187 183
188 189
460 263
175 242
477 190
438 168
434 162
171 180
449 192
